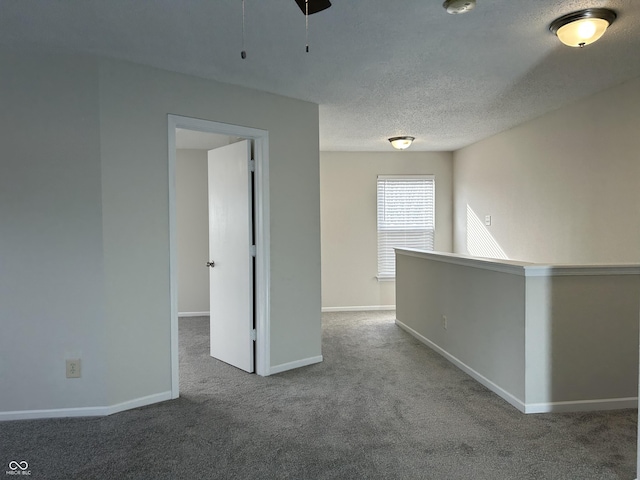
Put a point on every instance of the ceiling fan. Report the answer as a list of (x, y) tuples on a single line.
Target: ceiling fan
[(315, 6), (308, 7)]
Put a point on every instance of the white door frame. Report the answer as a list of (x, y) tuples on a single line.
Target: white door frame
[(262, 267)]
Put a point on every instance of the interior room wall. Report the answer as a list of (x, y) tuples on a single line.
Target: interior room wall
[(349, 221), (135, 101), (52, 304), (562, 188), (193, 235), (85, 236)]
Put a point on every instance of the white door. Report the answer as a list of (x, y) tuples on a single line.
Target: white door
[(230, 254)]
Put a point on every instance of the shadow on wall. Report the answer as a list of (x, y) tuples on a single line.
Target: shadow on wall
[(480, 243), (594, 341)]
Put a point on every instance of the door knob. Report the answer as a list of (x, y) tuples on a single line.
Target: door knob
[(211, 264)]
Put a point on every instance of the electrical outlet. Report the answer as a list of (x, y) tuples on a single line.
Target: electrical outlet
[(73, 368), (444, 322)]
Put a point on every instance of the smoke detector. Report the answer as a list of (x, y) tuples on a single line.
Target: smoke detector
[(459, 6)]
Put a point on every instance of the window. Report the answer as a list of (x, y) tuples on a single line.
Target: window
[(406, 217)]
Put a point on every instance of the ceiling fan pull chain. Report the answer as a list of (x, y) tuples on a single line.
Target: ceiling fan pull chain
[(243, 53), (306, 19)]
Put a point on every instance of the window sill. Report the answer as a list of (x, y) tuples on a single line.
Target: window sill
[(386, 279)]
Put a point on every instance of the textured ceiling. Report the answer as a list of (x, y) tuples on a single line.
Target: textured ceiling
[(377, 68)]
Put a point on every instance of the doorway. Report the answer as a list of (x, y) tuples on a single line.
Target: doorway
[(261, 193)]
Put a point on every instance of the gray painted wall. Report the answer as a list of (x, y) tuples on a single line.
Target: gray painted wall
[(52, 280), (582, 337), (85, 215), (562, 188), (485, 313), (552, 338), (192, 218), (349, 221)]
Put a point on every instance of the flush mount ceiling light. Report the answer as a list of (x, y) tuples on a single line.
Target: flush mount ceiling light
[(581, 28), (458, 6), (401, 143)]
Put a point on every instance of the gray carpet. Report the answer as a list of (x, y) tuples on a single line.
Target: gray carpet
[(381, 406)]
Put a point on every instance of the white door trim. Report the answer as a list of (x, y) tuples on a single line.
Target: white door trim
[(262, 268)]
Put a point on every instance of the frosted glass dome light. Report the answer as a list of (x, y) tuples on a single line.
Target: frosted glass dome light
[(582, 28), (401, 143)]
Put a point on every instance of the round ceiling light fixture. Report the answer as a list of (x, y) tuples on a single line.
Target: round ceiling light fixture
[(584, 27), (401, 143), (459, 6)]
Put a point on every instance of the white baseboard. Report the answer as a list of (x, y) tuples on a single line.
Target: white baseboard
[(368, 308), (550, 407), (513, 400), (297, 364), (53, 413), (582, 405), (85, 411), (139, 402), (193, 314)]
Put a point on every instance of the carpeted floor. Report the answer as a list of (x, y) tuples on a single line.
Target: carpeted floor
[(381, 406)]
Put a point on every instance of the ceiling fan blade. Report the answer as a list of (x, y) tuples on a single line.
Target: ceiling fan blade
[(315, 6)]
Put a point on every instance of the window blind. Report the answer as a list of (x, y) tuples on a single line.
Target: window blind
[(406, 217)]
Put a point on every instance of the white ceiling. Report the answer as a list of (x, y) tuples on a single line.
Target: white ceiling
[(377, 68)]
